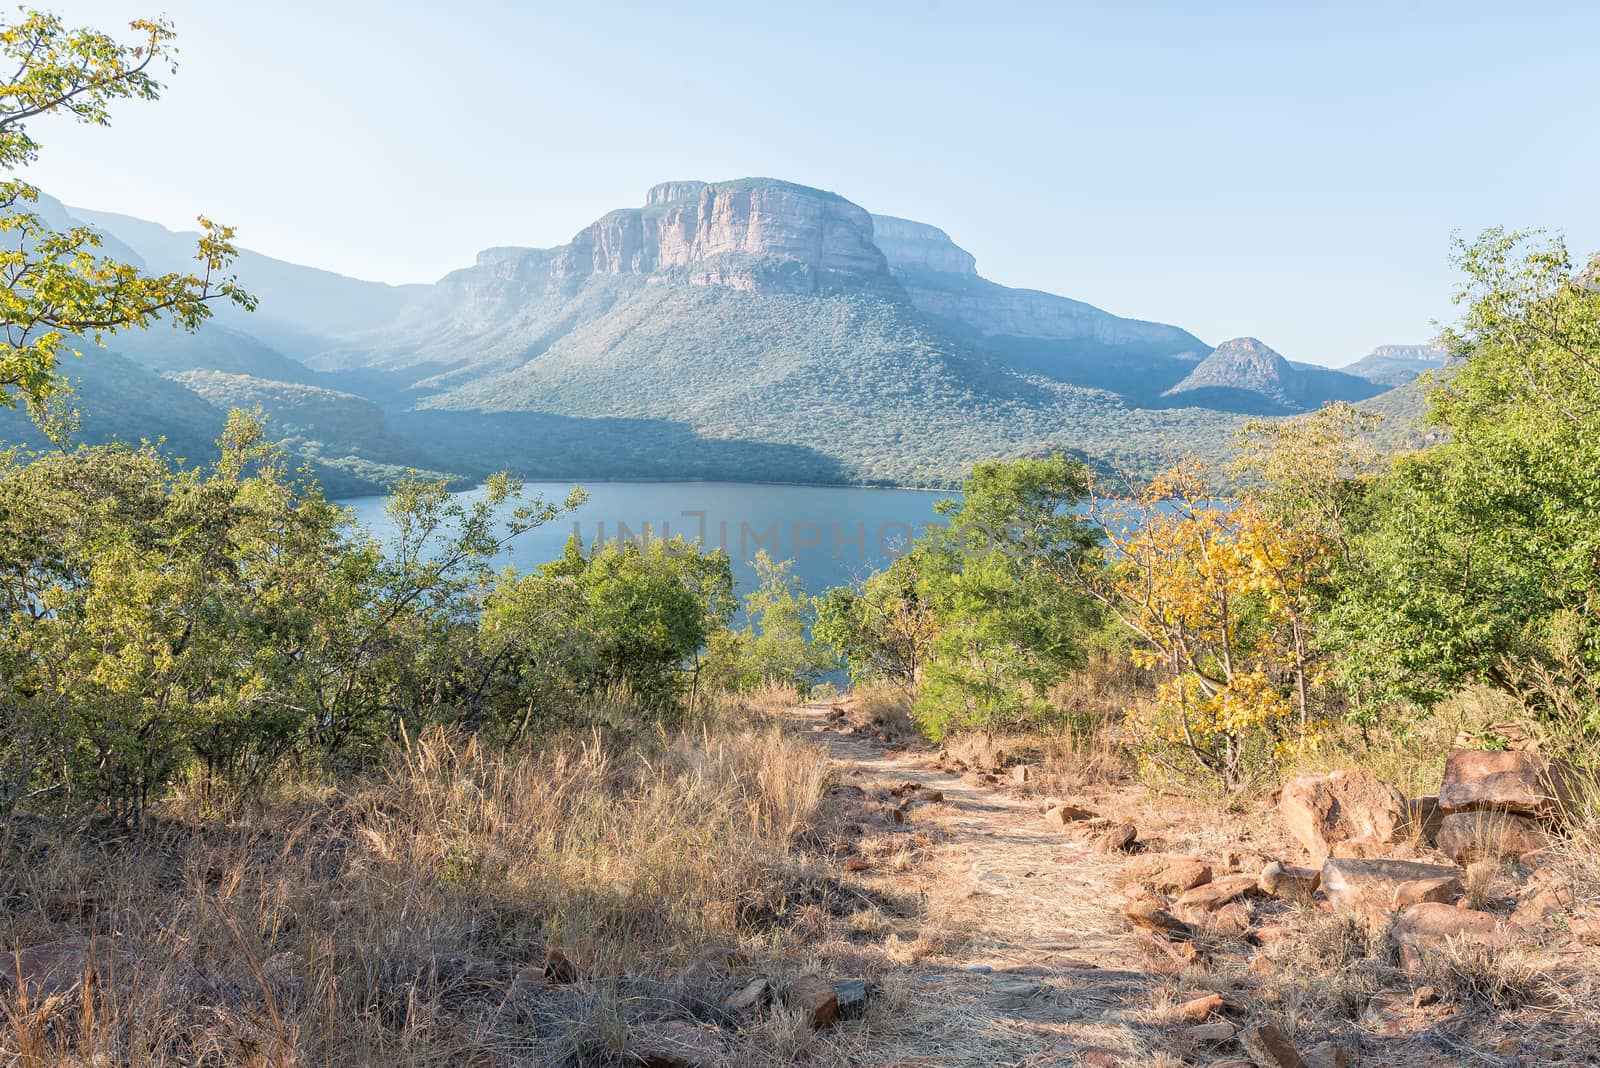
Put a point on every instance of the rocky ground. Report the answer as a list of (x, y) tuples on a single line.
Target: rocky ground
[(1064, 921)]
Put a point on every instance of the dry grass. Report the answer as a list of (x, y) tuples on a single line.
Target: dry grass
[(403, 919), (1501, 977), (1334, 965), (883, 711)]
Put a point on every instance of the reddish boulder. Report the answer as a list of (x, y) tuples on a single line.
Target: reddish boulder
[(1428, 927), (1269, 1047), (1345, 812), (1484, 834), (1525, 783), (1285, 880), (815, 999)]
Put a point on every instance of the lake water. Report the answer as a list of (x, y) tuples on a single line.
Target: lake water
[(833, 534)]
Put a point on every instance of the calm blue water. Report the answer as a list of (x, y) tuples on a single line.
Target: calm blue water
[(832, 534)]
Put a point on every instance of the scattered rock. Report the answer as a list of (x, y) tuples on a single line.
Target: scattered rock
[(1425, 996), (1427, 927), (1417, 891), (1487, 835), (1269, 1047), (1525, 783), (815, 999), (1219, 892), (1200, 1009), (1345, 807), (857, 864), (45, 970), (1327, 1055), (1213, 1034), (1148, 913), (1022, 774), (1287, 881), (852, 995), (1370, 885), (674, 1044), (1066, 815), (748, 998), (558, 968), (1118, 838)]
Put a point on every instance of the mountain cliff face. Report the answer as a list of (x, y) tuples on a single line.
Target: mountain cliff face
[(1065, 339), (1395, 365), (758, 235)]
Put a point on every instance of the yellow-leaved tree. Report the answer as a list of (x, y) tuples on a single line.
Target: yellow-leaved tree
[(1219, 592)]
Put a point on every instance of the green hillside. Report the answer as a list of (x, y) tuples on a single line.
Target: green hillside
[(862, 380)]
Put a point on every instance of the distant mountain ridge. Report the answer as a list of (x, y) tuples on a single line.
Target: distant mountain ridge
[(753, 328), (1244, 375)]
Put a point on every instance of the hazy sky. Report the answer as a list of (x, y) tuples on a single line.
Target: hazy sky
[(1291, 171)]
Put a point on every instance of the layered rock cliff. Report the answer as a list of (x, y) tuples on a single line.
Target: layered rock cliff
[(756, 234), (942, 279)]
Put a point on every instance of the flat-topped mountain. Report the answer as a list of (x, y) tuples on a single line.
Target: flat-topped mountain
[(1395, 365), (754, 328)]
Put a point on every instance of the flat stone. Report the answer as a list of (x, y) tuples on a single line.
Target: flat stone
[(1217, 893), (1511, 781), (1213, 1034), (852, 995), (1370, 885), (1487, 835)]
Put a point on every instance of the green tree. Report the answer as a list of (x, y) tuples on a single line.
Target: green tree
[(983, 615), (772, 647), (55, 287), (1479, 560), (625, 616)]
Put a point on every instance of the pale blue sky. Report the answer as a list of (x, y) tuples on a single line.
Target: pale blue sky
[(1291, 171)]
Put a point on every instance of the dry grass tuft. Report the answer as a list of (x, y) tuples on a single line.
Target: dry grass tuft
[(404, 918), (1502, 977), (1335, 965)]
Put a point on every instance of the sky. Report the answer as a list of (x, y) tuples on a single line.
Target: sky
[(1289, 171)]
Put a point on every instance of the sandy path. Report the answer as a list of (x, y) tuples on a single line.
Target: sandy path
[(1044, 969)]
